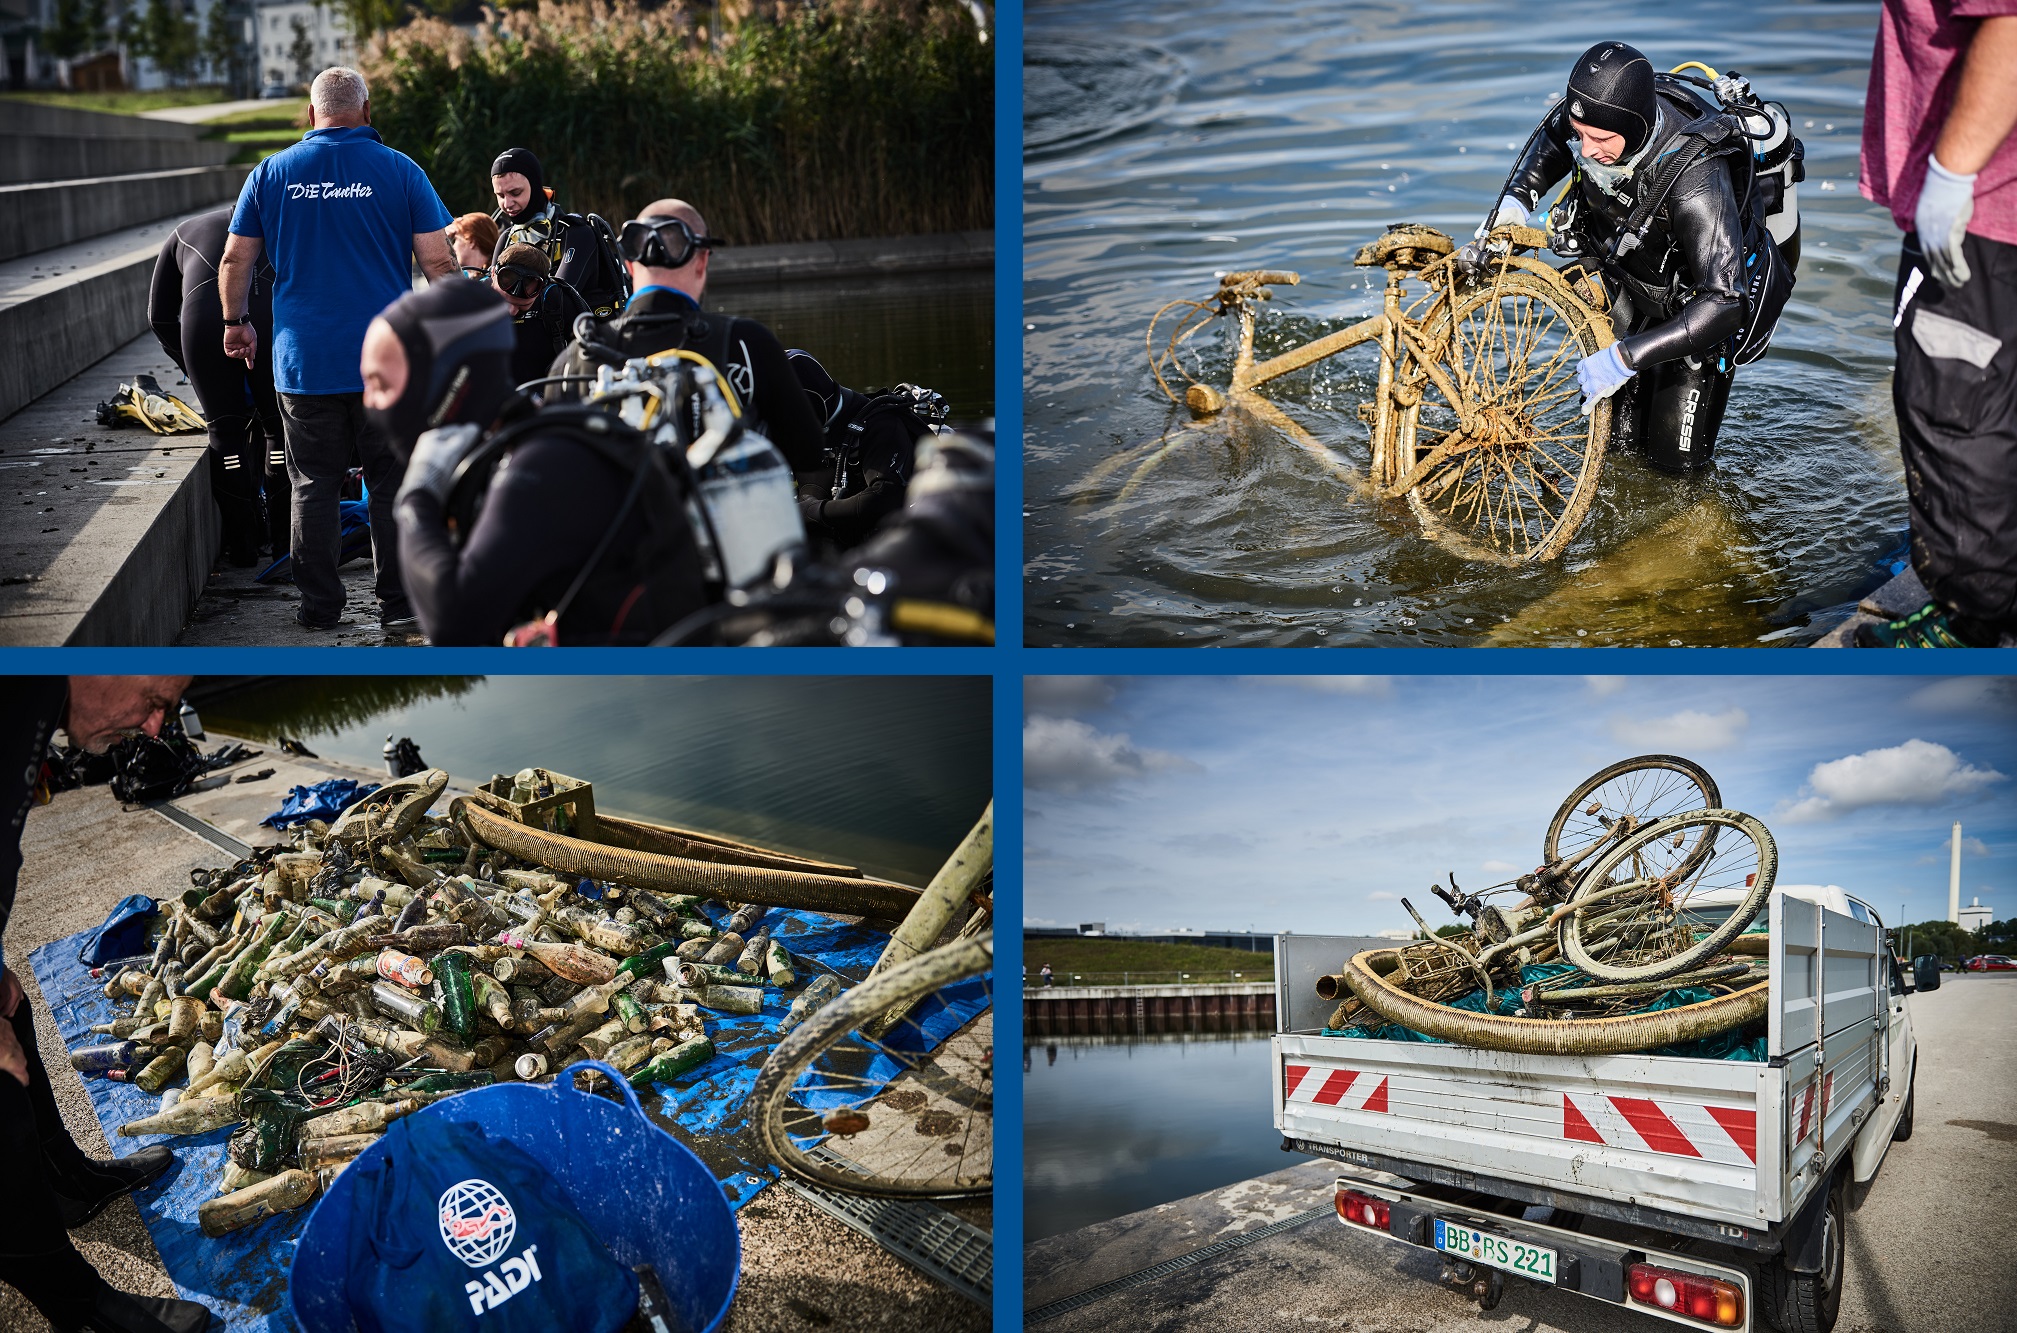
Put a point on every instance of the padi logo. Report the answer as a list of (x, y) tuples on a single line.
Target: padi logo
[(328, 190), (503, 1282), (477, 1222)]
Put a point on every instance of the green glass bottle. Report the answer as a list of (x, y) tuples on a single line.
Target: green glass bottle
[(458, 992), (686, 1056)]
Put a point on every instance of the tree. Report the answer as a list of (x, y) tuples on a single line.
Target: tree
[(365, 18), (76, 27), (301, 51), (165, 35), (221, 45)]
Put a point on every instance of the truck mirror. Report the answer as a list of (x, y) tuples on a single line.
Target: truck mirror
[(1926, 972)]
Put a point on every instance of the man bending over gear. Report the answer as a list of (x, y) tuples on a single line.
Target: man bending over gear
[(47, 1183), (564, 523), (667, 249), (1680, 291), (542, 310)]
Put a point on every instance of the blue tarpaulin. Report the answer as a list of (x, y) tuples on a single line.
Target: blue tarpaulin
[(243, 1276), (353, 521), (324, 801)]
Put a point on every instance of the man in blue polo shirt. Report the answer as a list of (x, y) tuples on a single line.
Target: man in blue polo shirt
[(342, 217)]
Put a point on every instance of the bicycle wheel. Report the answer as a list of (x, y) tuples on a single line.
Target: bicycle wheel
[(1517, 488), (910, 1113), (1670, 896), (1650, 787)]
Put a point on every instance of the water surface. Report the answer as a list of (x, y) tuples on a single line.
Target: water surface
[(887, 773), (1112, 1125), (1165, 144), (933, 329)]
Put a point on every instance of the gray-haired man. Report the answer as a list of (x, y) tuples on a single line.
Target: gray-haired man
[(341, 216)]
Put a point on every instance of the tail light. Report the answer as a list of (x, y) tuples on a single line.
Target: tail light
[(1361, 1210), (1691, 1295)]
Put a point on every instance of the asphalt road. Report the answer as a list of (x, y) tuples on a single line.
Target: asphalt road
[(1922, 1254)]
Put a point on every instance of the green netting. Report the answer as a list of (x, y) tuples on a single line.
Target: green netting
[(1729, 1045)]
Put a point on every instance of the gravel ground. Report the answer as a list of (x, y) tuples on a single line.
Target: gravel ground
[(800, 1268)]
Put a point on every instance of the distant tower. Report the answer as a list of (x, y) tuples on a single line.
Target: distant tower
[(1954, 878)]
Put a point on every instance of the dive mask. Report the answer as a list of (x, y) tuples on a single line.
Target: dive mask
[(657, 242), (519, 282)]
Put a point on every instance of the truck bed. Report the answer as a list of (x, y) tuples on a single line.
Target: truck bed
[(1737, 1145)]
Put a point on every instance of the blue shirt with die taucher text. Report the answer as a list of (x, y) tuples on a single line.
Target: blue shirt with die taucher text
[(337, 213)]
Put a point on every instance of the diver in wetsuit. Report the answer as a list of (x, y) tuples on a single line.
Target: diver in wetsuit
[(543, 309), (667, 249), (246, 449), (562, 526), (871, 440), (1697, 280)]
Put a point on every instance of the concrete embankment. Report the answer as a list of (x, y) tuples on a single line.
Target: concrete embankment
[(1899, 597)]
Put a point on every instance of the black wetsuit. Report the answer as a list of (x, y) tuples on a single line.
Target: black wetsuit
[(570, 246), (246, 446), (1680, 293), (544, 330), (547, 506), (870, 445), (747, 353)]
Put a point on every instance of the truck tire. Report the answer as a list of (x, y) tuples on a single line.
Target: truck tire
[(1903, 1129), (1809, 1302)]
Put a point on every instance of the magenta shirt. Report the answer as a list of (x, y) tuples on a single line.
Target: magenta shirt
[(1913, 76)]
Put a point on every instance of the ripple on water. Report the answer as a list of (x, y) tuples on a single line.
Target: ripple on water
[(1171, 144)]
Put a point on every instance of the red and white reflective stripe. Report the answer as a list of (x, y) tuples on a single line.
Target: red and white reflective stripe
[(1808, 1121), (1346, 1088), (1681, 1129)]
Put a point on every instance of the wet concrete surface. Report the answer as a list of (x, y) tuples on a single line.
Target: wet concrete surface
[(1912, 1267), (236, 612), (84, 851)]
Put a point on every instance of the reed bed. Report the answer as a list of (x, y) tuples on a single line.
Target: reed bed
[(857, 118)]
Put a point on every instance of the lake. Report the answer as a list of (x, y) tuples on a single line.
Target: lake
[(1112, 1125), (887, 773), (1166, 144)]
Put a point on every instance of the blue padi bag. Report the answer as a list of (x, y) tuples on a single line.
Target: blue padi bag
[(124, 933), (453, 1230)]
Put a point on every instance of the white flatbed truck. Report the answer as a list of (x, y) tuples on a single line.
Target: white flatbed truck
[(1712, 1193)]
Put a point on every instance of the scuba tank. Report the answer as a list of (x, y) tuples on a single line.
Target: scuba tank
[(745, 502), (1778, 159)]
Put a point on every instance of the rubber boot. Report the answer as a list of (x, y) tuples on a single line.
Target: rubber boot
[(72, 1296)]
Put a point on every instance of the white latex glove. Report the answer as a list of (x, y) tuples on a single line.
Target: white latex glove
[(1946, 202), (435, 455), (1601, 375), (1511, 213)]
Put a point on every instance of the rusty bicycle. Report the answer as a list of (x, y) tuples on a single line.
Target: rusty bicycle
[(1475, 419)]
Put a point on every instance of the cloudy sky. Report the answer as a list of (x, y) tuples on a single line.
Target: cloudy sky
[(1313, 803)]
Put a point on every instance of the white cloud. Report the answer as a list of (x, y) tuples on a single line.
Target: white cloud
[(1066, 696), (1382, 896), (1682, 732), (1915, 773), (1603, 687), (1499, 868), (1066, 755), (1374, 687), (1972, 695)]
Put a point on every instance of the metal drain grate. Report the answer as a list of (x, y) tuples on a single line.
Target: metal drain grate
[(216, 837), (1168, 1266), (922, 1234)]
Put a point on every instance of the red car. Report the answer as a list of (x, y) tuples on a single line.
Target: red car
[(1992, 962)]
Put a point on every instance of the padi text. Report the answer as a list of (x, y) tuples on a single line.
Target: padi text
[(493, 1291)]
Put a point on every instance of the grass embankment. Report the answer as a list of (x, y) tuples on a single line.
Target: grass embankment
[(795, 123), (262, 131), (1096, 961), (125, 103)]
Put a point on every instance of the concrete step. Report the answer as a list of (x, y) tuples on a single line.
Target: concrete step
[(63, 309), (51, 157), (43, 215), (106, 536), (36, 118)]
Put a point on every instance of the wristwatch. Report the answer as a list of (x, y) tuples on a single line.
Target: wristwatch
[(239, 322)]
